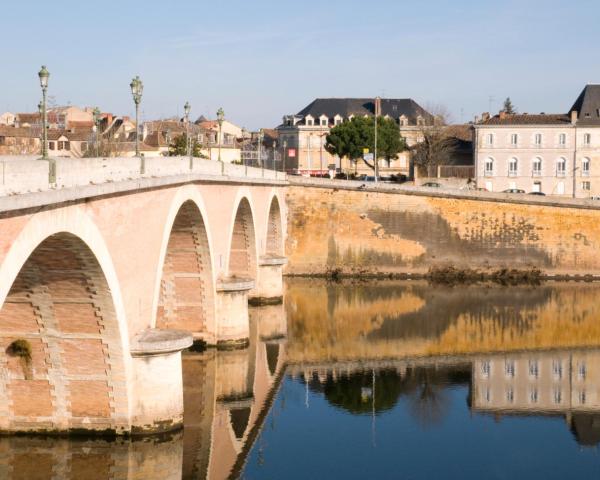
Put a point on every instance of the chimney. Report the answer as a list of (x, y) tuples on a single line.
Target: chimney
[(377, 106), (573, 117)]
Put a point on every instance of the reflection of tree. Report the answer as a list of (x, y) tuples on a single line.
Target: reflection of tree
[(425, 388)]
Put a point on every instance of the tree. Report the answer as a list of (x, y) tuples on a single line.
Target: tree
[(509, 107), (434, 146), (349, 139), (178, 147)]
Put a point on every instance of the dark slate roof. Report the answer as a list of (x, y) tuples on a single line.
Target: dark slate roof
[(394, 107), (527, 119), (587, 106)]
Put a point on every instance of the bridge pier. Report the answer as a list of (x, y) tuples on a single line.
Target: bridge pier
[(158, 384), (232, 319), (269, 289)]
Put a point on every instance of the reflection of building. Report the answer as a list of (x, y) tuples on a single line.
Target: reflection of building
[(304, 133), (545, 381)]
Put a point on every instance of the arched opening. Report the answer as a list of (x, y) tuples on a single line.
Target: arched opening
[(60, 343), (274, 230), (186, 298), (242, 255)]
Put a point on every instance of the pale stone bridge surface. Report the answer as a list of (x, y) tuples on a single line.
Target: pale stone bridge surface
[(106, 264)]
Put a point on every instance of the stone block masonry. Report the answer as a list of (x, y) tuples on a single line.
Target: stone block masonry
[(390, 231)]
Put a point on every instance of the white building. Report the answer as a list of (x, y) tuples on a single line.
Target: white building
[(556, 154)]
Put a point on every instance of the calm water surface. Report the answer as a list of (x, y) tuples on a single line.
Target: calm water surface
[(375, 380)]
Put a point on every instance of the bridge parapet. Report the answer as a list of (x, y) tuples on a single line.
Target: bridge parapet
[(27, 174)]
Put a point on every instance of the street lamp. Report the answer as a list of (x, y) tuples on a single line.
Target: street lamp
[(44, 74), (261, 136), (137, 88), (186, 109), (96, 113), (284, 155), (243, 154), (220, 118)]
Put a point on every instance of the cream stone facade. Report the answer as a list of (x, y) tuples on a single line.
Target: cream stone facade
[(303, 136), (555, 154)]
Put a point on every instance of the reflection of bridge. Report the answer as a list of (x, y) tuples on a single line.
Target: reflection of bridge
[(103, 269)]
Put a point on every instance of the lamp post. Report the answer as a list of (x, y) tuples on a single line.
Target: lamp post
[(44, 74), (242, 153), (96, 113), (284, 155), (137, 88), (188, 143), (261, 136), (220, 118)]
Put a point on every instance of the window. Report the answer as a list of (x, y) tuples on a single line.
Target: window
[(582, 397), (323, 121), (537, 166), (490, 138), (533, 395), (586, 186), (337, 120), (561, 167), (514, 139), (489, 167), (420, 120), (310, 122), (52, 145), (557, 396), (512, 167), (533, 368), (585, 167), (538, 139), (587, 139), (403, 121), (485, 369), (509, 368), (581, 371), (510, 396), (562, 139), (557, 369)]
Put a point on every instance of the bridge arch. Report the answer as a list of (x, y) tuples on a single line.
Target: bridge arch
[(243, 255), (186, 296), (275, 231), (63, 334)]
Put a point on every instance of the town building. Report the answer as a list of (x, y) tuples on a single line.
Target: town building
[(557, 154), (303, 136)]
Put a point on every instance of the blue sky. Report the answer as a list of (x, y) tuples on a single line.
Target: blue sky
[(261, 59)]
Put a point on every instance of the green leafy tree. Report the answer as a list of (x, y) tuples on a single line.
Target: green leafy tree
[(178, 147), (349, 139), (509, 107)]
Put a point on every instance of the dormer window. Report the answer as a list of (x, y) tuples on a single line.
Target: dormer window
[(337, 120), (403, 121), (351, 117), (323, 121), (310, 121), (420, 121)]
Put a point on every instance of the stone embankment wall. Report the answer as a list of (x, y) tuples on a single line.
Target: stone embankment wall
[(389, 230)]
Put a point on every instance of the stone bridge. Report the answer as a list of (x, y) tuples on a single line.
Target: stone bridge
[(105, 270)]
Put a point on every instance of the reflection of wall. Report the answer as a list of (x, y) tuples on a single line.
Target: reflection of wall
[(358, 231), (403, 319)]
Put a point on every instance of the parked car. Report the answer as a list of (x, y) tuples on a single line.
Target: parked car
[(432, 185), (513, 190), (541, 194), (595, 198)]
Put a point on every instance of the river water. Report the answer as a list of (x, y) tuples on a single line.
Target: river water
[(393, 379)]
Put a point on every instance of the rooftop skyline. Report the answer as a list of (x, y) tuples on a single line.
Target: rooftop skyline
[(262, 60)]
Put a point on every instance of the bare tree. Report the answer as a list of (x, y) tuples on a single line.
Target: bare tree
[(434, 146)]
